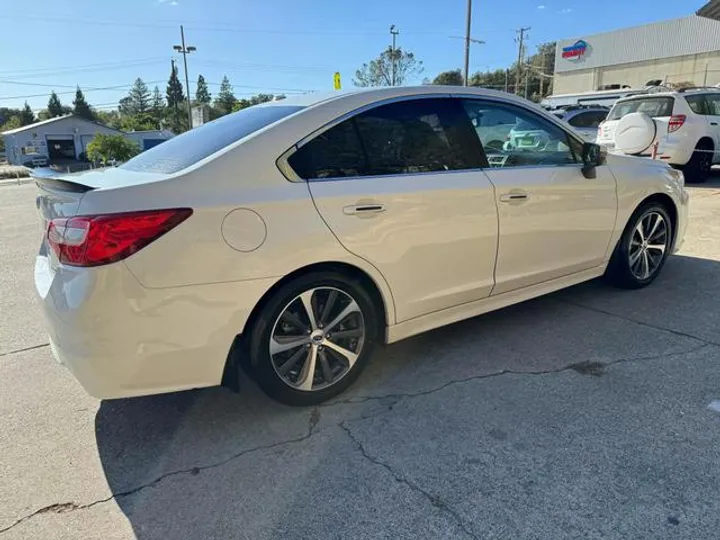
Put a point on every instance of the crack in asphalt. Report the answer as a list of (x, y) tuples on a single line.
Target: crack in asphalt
[(61, 508), (434, 500), (635, 321), (24, 350), (587, 368)]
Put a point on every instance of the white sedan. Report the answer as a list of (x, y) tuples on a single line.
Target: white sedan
[(296, 235)]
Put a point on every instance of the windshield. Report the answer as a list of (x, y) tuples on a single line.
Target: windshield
[(187, 149), (654, 107)]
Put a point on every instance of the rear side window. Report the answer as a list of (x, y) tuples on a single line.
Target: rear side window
[(713, 104), (192, 146), (698, 104), (407, 137), (590, 119), (654, 107)]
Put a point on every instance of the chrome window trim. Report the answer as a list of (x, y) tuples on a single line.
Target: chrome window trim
[(289, 173)]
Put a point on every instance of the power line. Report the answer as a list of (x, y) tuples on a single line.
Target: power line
[(98, 89), (116, 63)]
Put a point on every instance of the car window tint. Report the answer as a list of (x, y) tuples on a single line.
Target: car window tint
[(407, 137), (413, 137), (589, 119), (336, 153), (531, 141), (192, 146), (713, 104), (698, 104), (654, 107)]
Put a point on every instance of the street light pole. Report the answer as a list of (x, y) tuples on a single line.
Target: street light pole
[(394, 33), (185, 51), (467, 41)]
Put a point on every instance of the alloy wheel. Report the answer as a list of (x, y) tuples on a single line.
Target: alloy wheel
[(317, 338), (648, 244)]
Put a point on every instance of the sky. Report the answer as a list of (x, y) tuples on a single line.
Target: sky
[(274, 46)]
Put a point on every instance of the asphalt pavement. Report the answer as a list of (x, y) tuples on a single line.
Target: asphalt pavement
[(590, 413)]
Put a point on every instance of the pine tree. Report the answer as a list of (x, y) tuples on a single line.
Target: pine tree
[(225, 100), (202, 95), (27, 117), (54, 107), (139, 95), (81, 107), (174, 93), (157, 107)]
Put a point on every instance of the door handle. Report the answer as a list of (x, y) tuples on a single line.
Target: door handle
[(513, 197), (364, 209), (713, 123)]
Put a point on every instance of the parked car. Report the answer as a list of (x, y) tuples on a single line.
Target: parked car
[(681, 128), (584, 118), (296, 235)]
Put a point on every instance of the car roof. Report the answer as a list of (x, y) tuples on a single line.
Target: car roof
[(377, 94)]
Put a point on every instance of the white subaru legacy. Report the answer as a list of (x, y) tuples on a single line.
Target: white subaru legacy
[(293, 237)]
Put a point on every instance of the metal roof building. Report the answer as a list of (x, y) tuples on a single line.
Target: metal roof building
[(674, 51)]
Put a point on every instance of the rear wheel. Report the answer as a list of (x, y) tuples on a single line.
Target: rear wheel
[(698, 168), (313, 338), (643, 248)]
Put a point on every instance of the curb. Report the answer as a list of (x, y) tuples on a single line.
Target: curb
[(16, 181)]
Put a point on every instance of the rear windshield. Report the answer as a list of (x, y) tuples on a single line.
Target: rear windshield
[(652, 106), (192, 146)]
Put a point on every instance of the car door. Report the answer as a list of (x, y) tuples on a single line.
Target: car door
[(400, 187), (708, 105), (553, 221)]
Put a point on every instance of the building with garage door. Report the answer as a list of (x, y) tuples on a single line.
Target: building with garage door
[(685, 50), (64, 139)]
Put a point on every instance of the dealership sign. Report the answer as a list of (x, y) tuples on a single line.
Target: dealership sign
[(575, 51)]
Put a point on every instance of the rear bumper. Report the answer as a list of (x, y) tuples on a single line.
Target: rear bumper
[(122, 340)]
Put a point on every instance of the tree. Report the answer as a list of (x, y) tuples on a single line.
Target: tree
[(202, 95), (138, 99), (255, 100), (81, 107), (27, 117), (106, 148), (225, 100), (12, 122), (54, 108), (174, 93), (379, 72), (109, 118), (450, 78), (157, 107)]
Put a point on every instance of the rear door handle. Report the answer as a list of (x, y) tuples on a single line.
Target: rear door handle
[(713, 123), (514, 197), (364, 209)]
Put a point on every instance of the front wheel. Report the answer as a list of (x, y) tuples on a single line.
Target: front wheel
[(313, 338), (643, 248)]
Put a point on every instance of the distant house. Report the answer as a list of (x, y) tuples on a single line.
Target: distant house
[(65, 138)]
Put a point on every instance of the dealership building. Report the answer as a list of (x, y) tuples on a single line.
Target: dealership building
[(65, 138), (685, 50)]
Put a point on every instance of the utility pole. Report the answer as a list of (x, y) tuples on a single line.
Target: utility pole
[(185, 51), (542, 74), (467, 42), (527, 80), (394, 32), (521, 55), (507, 77)]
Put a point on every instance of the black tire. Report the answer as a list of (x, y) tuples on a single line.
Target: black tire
[(620, 271), (697, 170), (265, 371)]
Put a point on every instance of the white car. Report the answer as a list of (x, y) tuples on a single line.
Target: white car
[(296, 235), (681, 128)]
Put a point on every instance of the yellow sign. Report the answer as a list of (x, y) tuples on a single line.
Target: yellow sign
[(336, 80)]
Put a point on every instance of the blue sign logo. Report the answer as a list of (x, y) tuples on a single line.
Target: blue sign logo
[(575, 51)]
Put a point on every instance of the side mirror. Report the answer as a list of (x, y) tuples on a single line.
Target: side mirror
[(592, 157)]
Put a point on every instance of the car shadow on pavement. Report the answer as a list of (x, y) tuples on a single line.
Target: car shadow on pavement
[(195, 464)]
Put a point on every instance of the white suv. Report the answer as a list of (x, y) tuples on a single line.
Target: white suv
[(681, 128)]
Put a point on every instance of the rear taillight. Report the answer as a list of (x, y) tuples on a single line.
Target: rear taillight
[(676, 122), (103, 239)]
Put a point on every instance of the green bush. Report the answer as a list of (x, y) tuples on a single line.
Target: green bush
[(106, 148)]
